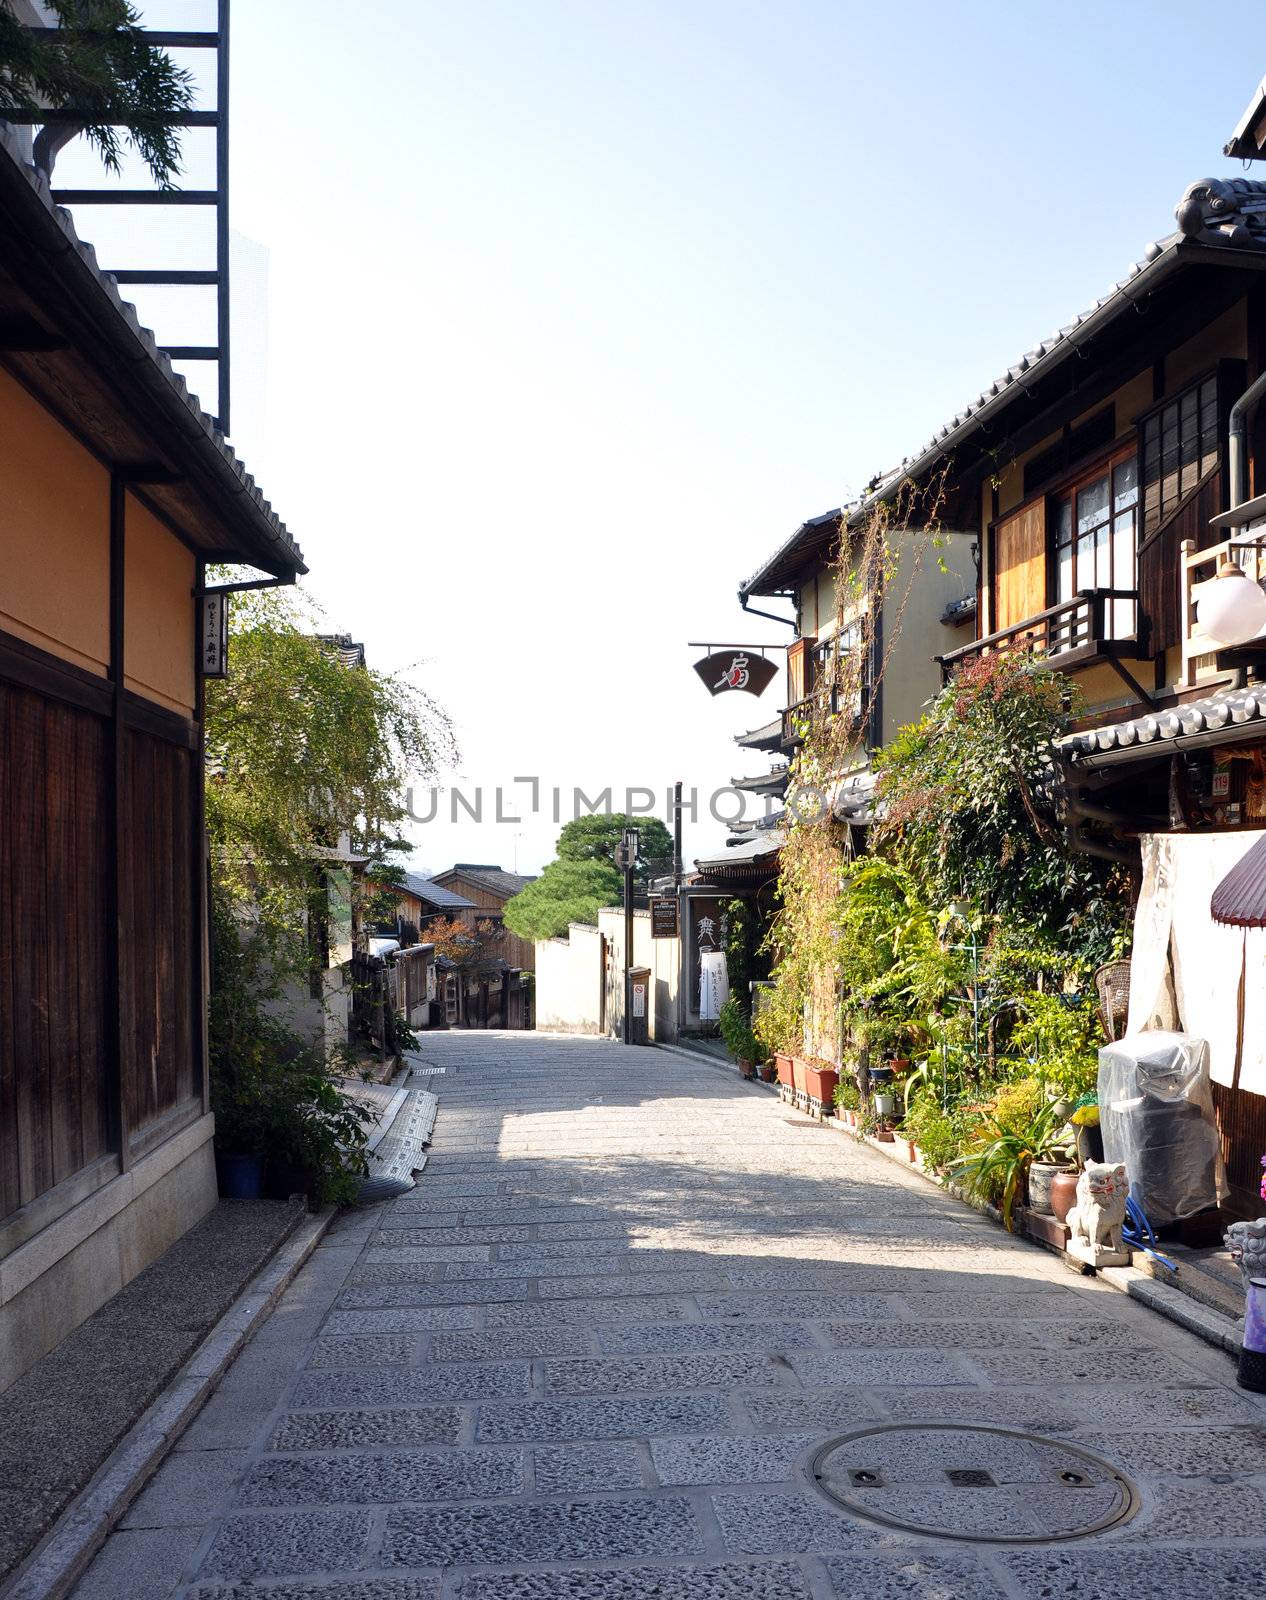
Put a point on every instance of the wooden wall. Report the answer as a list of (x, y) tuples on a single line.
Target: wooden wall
[(54, 968)]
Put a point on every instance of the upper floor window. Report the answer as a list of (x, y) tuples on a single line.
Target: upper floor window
[(1096, 536), (1179, 444)]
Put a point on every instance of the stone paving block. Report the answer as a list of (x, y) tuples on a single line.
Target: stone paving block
[(1184, 1453), (1108, 1333), (298, 1542), (382, 1254), (630, 1418), (583, 1230), (507, 1343), (1110, 1573), (1035, 1411), (832, 1410), (429, 1237), (783, 1524), (776, 1581), (919, 1368), (581, 1468), (623, 1375), (1149, 1405), (672, 1338), (319, 1589), (490, 1271), (386, 1350), (187, 1490), (1073, 1366), (1039, 1300), (139, 1562), (687, 1282), (384, 1479), (371, 1296), (344, 1430), (412, 1320), (509, 1535), (649, 1308), (1183, 1511), (768, 1459), (807, 1306), (932, 1335), (566, 1249), (436, 1189), (528, 1214), (413, 1385), (939, 1575)]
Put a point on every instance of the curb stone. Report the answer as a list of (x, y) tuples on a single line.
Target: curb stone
[(62, 1557)]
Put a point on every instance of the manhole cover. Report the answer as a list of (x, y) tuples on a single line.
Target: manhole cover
[(952, 1481)]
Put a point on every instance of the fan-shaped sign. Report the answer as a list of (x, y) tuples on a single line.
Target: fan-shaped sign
[(727, 671)]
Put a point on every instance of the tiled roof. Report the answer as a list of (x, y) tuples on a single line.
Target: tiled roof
[(442, 899), (194, 422), (1229, 710), (1226, 215), (768, 737), (492, 878)]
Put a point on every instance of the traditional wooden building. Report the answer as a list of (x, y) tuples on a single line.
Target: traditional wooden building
[(488, 888), (1109, 475), (118, 490)]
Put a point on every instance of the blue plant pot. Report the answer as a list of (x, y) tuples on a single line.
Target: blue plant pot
[(240, 1177)]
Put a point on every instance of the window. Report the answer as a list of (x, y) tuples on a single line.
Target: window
[(1179, 444), (1096, 535)]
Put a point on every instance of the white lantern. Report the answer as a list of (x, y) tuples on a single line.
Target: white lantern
[(1232, 608)]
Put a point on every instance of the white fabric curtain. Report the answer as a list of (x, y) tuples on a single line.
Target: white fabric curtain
[(1185, 968)]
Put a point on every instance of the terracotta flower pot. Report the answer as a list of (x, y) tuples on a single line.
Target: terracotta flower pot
[(1042, 1175), (821, 1082), (799, 1075), (782, 1065), (1063, 1193)]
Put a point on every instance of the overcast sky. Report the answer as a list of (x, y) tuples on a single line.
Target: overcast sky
[(575, 309)]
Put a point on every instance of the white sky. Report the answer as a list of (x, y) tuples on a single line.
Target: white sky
[(576, 309)]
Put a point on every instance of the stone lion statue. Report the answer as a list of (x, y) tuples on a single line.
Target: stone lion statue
[(1247, 1243), (1097, 1217)]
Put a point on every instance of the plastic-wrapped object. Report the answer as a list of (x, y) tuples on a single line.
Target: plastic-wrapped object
[(1156, 1115)]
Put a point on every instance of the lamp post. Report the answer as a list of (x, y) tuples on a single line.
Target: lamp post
[(626, 857)]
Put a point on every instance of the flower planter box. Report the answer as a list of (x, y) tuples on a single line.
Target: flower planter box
[(820, 1083), (782, 1065)]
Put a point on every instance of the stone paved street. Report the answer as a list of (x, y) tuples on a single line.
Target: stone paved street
[(594, 1352)]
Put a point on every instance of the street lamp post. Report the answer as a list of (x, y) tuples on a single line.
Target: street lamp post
[(626, 857)]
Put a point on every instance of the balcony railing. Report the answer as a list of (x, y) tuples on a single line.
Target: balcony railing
[(797, 718), (1198, 568), (1094, 623)]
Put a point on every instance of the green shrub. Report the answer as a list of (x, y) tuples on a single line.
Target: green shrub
[(939, 1134), (736, 1030), (847, 1096)]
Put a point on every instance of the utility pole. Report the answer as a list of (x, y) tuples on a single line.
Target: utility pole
[(677, 835), (626, 857)]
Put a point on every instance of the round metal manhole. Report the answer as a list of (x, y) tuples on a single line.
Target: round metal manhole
[(949, 1480)]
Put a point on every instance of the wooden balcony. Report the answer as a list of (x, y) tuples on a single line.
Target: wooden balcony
[(797, 718), (1087, 628), (1203, 660)]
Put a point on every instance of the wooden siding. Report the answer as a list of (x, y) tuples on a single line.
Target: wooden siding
[(1159, 578), (54, 951), (1242, 1124), (1019, 566), (156, 912)]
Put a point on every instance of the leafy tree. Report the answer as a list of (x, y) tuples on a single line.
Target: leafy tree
[(299, 748), (594, 838), (98, 63), (566, 892), (967, 809), (456, 943)]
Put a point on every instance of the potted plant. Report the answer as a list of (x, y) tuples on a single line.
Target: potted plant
[(1021, 1127), (740, 1041), (847, 1099), (821, 1078)]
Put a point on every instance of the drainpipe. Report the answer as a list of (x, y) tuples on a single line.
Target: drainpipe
[(1237, 439)]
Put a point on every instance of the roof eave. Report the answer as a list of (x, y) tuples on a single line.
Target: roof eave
[(122, 355)]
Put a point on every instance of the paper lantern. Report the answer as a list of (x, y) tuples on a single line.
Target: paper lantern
[(1232, 608)]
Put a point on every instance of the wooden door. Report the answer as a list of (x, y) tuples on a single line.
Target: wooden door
[(1019, 566)]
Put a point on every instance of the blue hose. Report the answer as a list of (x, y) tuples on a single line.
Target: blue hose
[(1139, 1233)]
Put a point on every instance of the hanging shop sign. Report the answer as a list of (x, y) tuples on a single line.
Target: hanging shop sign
[(664, 923), (213, 641), (724, 671)]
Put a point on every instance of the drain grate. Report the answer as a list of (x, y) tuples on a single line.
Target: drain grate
[(1024, 1489)]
